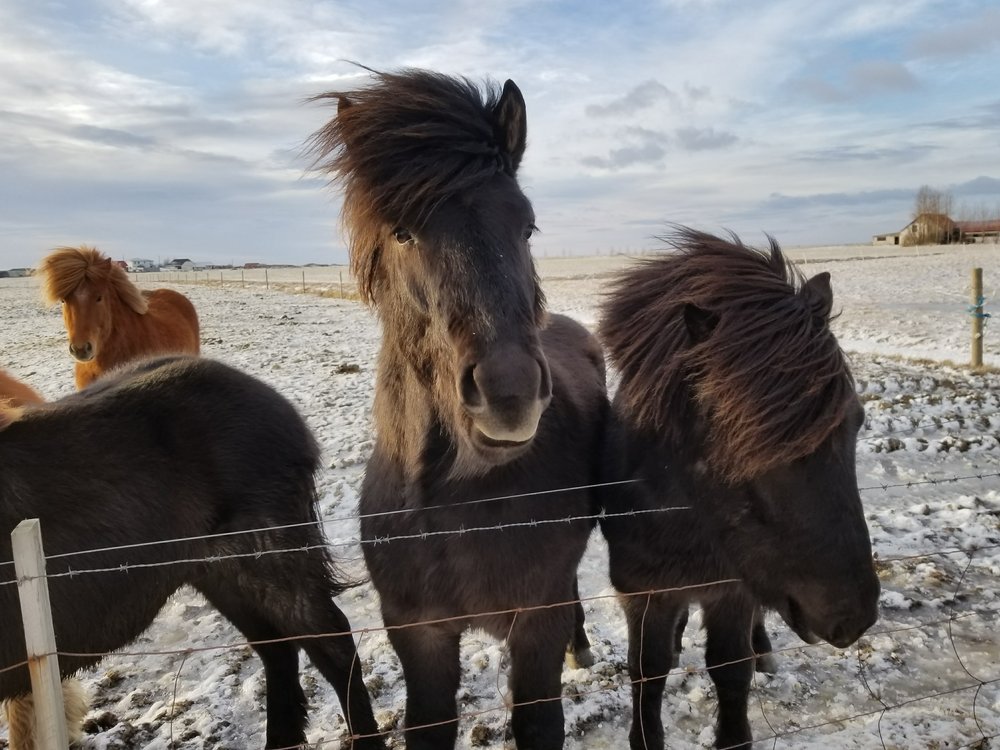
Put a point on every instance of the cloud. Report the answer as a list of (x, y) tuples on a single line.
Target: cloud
[(964, 39), (863, 80), (704, 139), (627, 156), (783, 202), (978, 186), (856, 152), (111, 137), (643, 96), (881, 76)]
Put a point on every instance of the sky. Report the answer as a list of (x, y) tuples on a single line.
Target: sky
[(177, 129)]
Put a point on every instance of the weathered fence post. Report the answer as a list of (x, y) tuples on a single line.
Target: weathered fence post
[(39, 635), (303, 281), (341, 284), (267, 284), (977, 317)]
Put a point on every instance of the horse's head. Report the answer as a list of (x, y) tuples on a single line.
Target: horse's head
[(86, 314), (440, 235), (91, 289), (758, 407)]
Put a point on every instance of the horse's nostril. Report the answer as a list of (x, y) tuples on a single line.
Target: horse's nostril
[(468, 389)]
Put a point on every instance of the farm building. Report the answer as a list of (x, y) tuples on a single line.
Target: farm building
[(939, 229), (141, 264), (926, 229), (178, 264), (979, 231)]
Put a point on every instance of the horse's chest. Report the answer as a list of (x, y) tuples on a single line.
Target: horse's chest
[(464, 548)]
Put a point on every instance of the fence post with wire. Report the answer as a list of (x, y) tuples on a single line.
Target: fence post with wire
[(39, 635)]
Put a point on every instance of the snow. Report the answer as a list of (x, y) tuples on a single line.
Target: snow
[(905, 322)]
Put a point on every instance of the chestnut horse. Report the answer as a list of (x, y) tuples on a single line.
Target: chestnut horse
[(13, 392), (737, 413), (189, 450), (488, 413), (109, 320)]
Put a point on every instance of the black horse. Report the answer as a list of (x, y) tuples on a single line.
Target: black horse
[(737, 412), (480, 395), (179, 448)]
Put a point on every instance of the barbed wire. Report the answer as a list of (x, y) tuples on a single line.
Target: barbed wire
[(422, 535), (185, 653)]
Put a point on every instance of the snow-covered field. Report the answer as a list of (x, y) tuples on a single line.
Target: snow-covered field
[(933, 658)]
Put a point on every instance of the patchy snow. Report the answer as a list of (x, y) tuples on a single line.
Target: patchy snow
[(927, 423)]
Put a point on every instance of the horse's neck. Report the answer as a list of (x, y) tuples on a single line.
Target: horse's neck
[(126, 337), (404, 393)]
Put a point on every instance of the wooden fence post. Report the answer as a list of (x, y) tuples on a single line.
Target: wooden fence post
[(39, 635), (267, 284), (341, 284), (977, 317)]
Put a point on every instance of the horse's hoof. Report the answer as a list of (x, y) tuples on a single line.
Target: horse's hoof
[(766, 663), (582, 659)]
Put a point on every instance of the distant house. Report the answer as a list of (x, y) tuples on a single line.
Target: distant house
[(138, 265), (178, 264), (979, 231), (17, 273), (926, 229)]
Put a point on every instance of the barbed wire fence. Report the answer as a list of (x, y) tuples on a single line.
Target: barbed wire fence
[(964, 560), (974, 683)]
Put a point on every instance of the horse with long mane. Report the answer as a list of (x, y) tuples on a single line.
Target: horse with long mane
[(192, 451), (488, 412), (737, 413), (109, 320)]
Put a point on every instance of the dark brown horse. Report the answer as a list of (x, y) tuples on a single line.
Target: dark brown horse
[(19, 712), (109, 320), (480, 395), (188, 449), (737, 412)]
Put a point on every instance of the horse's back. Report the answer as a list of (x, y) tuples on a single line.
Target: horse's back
[(177, 328), (576, 357)]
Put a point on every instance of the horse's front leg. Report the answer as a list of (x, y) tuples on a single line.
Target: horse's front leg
[(766, 661), (578, 653), (537, 644), (430, 658), (730, 661), (653, 621)]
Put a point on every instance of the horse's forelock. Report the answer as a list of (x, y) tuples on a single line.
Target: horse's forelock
[(65, 268), (772, 377), (400, 147)]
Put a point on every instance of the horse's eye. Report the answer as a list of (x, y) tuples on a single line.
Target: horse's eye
[(529, 231), (99, 298), (402, 236)]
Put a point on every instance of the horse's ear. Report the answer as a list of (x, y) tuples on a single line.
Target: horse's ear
[(818, 294), (343, 103), (512, 123), (700, 323)]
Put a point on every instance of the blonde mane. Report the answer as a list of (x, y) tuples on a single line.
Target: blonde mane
[(65, 268)]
